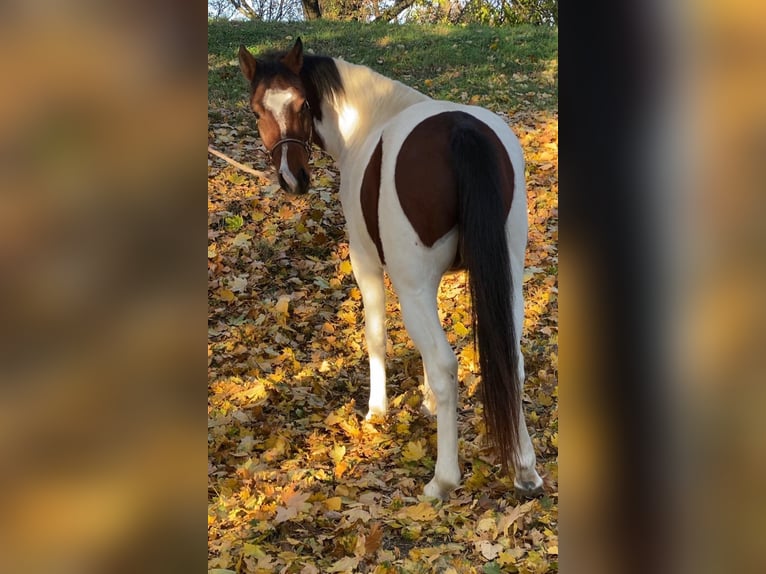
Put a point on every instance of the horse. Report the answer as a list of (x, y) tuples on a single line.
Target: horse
[(426, 187)]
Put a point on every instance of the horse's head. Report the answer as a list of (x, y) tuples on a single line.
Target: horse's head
[(278, 100)]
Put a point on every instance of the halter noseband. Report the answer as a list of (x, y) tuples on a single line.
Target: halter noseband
[(306, 145)]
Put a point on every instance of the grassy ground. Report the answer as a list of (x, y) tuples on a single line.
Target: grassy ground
[(298, 482), (506, 66)]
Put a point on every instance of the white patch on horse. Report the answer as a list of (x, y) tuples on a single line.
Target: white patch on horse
[(347, 121), (284, 170), (276, 101)]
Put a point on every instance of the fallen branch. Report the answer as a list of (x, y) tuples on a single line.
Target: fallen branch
[(236, 164)]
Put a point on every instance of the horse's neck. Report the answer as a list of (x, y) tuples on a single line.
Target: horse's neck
[(369, 101)]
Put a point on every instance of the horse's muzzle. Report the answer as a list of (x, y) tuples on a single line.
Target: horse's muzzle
[(302, 181)]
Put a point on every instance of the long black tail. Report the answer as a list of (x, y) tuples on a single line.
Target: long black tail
[(484, 250)]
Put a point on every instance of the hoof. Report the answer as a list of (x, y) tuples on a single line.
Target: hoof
[(528, 489), (375, 415), (435, 489)]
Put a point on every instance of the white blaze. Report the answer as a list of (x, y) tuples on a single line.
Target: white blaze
[(284, 169), (276, 101)]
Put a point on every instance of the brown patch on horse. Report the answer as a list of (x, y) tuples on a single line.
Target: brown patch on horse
[(425, 179), (370, 196)]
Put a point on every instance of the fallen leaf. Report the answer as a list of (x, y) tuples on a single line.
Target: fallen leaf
[(421, 512), (414, 451), (488, 550), (282, 306), (374, 539), (460, 329), (242, 239), (505, 521), (238, 284), (345, 564), (295, 502), (345, 267), (337, 453)]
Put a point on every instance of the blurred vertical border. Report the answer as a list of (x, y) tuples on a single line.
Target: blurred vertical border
[(102, 286), (663, 298)]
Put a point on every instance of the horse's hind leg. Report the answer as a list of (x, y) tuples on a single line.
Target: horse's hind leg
[(421, 318), (369, 277), (526, 480)]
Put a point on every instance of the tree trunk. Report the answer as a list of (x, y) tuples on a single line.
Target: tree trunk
[(311, 9)]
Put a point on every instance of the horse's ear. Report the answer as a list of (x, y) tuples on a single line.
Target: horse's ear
[(294, 59), (246, 63)]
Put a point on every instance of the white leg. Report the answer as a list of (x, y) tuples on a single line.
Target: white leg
[(422, 321), (369, 277), (526, 480)]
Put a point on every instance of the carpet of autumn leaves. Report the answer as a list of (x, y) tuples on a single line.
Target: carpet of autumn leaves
[(298, 481)]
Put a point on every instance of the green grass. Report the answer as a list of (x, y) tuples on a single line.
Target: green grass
[(505, 68)]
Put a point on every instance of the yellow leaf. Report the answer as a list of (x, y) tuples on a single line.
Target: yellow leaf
[(486, 524), (345, 564), (422, 512), (414, 451), (333, 503), (283, 303), (340, 468), (345, 267), (332, 419), (506, 558), (253, 550), (348, 316), (337, 453), (225, 295), (212, 251), (460, 329)]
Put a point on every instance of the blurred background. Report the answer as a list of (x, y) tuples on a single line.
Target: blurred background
[(102, 286), (663, 125)]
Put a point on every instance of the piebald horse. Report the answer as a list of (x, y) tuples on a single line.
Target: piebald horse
[(426, 187)]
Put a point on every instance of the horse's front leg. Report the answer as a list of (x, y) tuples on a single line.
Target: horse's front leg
[(369, 277)]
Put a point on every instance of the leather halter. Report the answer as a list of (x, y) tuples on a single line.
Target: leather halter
[(306, 144)]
